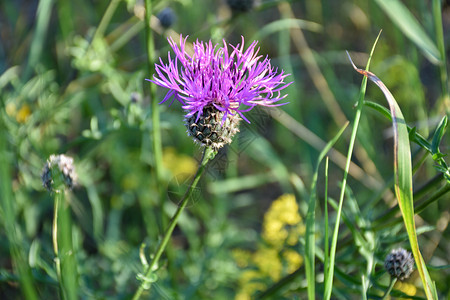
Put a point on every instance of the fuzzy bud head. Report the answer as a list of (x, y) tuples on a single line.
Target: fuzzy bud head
[(399, 263), (210, 129), (59, 170)]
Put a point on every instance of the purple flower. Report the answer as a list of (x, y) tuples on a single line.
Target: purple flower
[(232, 82)]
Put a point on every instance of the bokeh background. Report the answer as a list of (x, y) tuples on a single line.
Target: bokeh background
[(72, 81)]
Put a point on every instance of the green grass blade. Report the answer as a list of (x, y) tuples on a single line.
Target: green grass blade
[(310, 219), (326, 247), (66, 252), (328, 281), (7, 213), (285, 24), (44, 13), (403, 180), (437, 17), (407, 23)]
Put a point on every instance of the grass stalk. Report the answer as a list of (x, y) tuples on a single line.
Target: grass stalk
[(326, 233), (310, 243), (391, 286), (156, 131), (439, 32), (66, 251), (146, 282), (330, 267), (44, 12), (7, 202)]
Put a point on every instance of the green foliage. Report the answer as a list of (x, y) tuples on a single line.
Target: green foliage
[(72, 81)]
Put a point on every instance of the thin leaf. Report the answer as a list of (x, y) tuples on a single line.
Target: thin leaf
[(408, 24), (310, 219), (438, 135), (403, 179), (328, 281)]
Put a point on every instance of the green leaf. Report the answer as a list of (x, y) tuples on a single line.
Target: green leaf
[(403, 179), (310, 219), (438, 135), (408, 24)]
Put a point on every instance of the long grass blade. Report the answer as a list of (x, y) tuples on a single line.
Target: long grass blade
[(330, 268), (408, 24), (403, 179), (311, 217)]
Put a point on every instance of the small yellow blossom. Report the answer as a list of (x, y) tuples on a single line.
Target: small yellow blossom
[(406, 288), (268, 262), (250, 283), (282, 212), (23, 114), (20, 115), (179, 164), (294, 260), (282, 227)]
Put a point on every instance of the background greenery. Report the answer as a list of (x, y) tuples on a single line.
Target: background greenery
[(72, 81)]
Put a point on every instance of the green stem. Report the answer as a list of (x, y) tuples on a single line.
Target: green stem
[(391, 286), (44, 12), (55, 245), (100, 31), (208, 154), (156, 131), (12, 229), (437, 17), (65, 259), (326, 246), (330, 271)]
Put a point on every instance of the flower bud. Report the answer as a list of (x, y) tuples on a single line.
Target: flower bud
[(166, 17), (58, 170), (209, 129), (399, 263)]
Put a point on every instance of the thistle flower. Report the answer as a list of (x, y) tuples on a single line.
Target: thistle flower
[(58, 169), (215, 87), (399, 263)]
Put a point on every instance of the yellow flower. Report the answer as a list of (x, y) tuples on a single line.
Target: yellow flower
[(268, 262), (282, 212), (250, 283), (294, 260), (295, 233), (406, 288), (179, 164), (23, 114)]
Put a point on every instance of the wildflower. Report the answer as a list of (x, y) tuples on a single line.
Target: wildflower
[(216, 87), (166, 17), (58, 169), (399, 263), (282, 212)]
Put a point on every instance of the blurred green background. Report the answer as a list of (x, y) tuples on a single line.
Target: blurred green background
[(72, 81)]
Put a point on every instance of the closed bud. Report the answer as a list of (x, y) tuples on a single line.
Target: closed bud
[(399, 263), (58, 170), (209, 129)]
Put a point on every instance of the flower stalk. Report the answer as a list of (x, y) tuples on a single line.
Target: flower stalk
[(58, 177), (146, 278)]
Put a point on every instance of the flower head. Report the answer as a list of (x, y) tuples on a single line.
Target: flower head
[(58, 169), (215, 83), (232, 82), (399, 263)]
